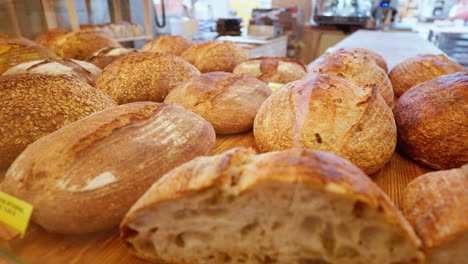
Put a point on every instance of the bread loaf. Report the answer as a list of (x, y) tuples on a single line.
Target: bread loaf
[(215, 55), (106, 56), (34, 105), (272, 70), (358, 69), (290, 207), (83, 71), (432, 121), (17, 51), (47, 38), (85, 176), (144, 76), (228, 101), (436, 204), (171, 44), (328, 113), (81, 45), (419, 69), (377, 58)]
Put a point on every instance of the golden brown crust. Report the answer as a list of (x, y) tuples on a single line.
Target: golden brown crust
[(419, 69), (272, 69), (47, 38), (215, 55), (377, 58), (16, 51), (85, 176), (34, 105), (436, 205), (328, 113), (239, 170), (432, 121), (170, 44), (145, 76), (81, 45), (228, 101), (106, 56), (358, 69)]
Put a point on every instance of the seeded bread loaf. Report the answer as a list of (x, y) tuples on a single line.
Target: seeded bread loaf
[(272, 70), (85, 176), (228, 101), (328, 113), (82, 70), (436, 204), (34, 105), (106, 56), (295, 206), (168, 43)]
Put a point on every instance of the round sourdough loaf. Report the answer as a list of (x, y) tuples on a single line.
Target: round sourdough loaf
[(294, 206), (47, 38), (85, 176), (34, 105), (81, 45), (106, 56), (432, 121), (358, 69), (144, 76), (419, 69), (272, 69), (328, 113), (17, 51), (170, 44), (83, 71), (377, 58), (215, 55), (436, 204), (228, 101)]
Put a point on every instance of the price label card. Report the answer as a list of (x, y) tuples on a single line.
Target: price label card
[(15, 212)]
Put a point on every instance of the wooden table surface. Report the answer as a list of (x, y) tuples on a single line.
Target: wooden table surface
[(105, 247)]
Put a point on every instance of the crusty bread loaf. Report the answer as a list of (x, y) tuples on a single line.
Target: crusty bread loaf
[(228, 101), (360, 70), (85, 176), (377, 58), (83, 71), (419, 69), (436, 204), (272, 69), (215, 55), (17, 51), (432, 121), (106, 56), (167, 43), (34, 105), (295, 206), (47, 38), (328, 113), (144, 76), (81, 45)]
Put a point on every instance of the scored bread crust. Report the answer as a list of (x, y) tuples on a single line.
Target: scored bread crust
[(106, 56), (215, 55), (377, 58), (228, 101), (144, 76), (17, 51), (272, 69), (436, 205), (82, 70), (168, 43), (419, 69), (358, 69), (81, 45), (238, 173), (84, 177), (328, 113), (432, 121), (34, 105)]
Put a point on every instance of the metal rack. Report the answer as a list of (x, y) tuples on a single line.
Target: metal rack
[(453, 41)]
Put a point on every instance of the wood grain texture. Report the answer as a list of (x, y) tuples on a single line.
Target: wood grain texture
[(106, 247)]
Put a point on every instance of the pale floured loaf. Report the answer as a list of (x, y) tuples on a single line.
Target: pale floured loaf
[(436, 204), (296, 206), (272, 69), (328, 113), (106, 56), (168, 43), (85, 176)]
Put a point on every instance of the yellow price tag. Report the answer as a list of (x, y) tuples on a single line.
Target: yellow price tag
[(14, 212), (275, 86)]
